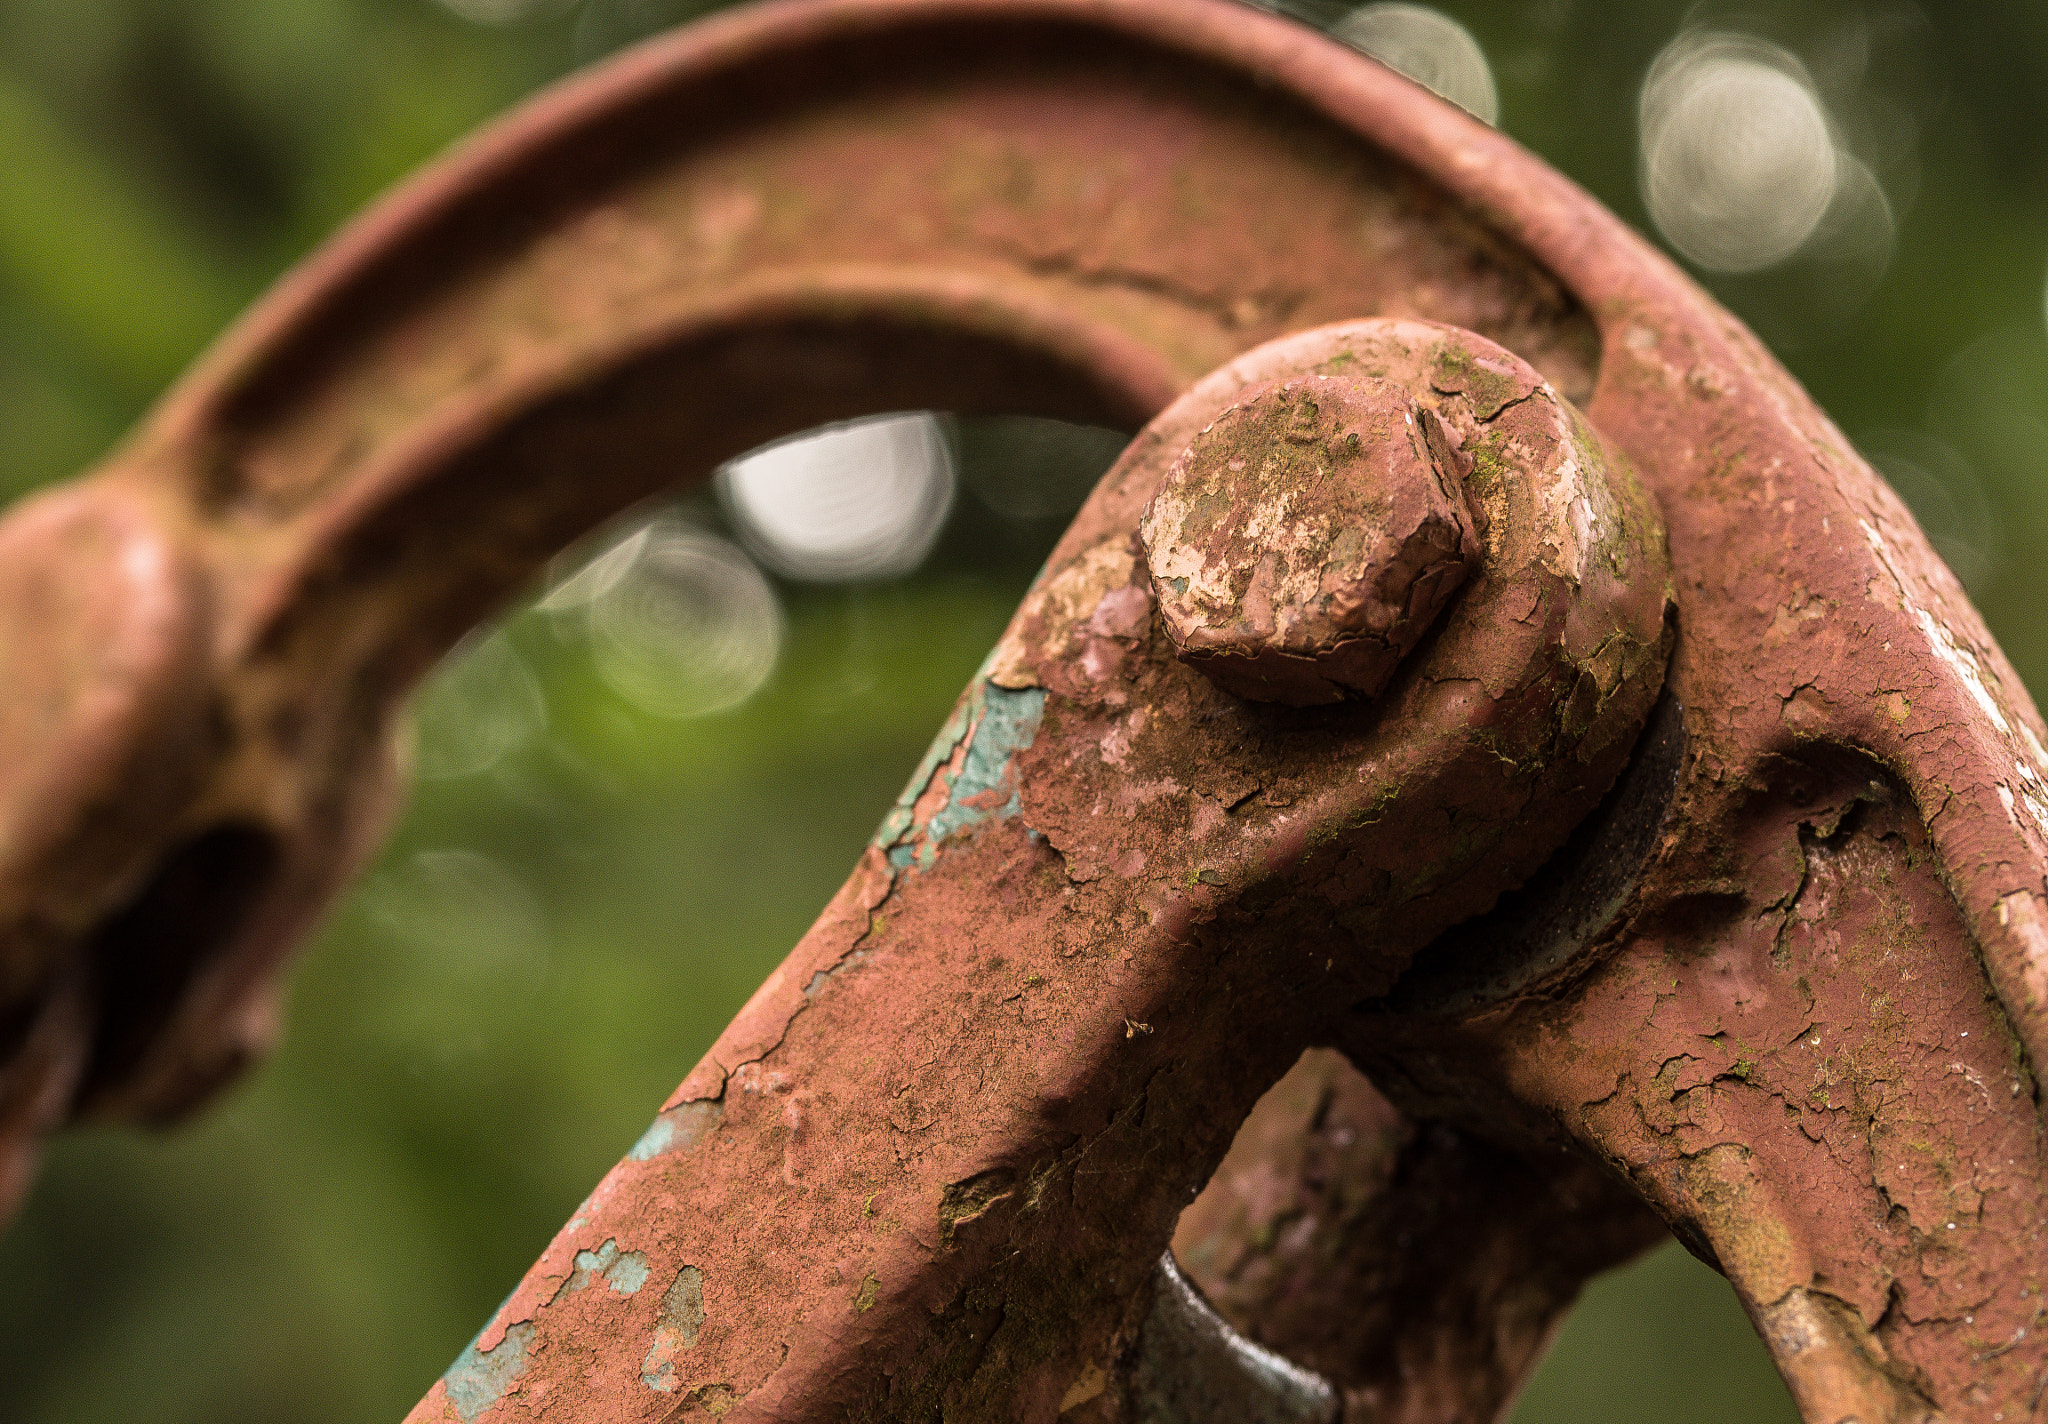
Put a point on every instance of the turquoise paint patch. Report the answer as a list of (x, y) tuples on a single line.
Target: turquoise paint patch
[(680, 1128), (659, 1138), (629, 1274), (624, 1271), (994, 724), (1009, 724), (897, 823), (589, 1263), (479, 1378)]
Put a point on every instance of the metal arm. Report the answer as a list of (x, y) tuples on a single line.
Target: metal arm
[(928, 1168)]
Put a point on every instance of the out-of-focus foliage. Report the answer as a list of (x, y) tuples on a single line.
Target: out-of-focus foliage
[(584, 891)]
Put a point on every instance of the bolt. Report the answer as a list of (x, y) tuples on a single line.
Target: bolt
[(1304, 542)]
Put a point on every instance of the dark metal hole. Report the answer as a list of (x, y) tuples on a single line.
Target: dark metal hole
[(147, 955), (1537, 933)]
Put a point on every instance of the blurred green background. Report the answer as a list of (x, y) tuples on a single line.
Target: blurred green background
[(558, 930)]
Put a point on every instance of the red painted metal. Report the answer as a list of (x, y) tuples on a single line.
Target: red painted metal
[(1309, 536), (1786, 986)]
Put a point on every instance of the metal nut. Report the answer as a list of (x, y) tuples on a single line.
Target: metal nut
[(1305, 541)]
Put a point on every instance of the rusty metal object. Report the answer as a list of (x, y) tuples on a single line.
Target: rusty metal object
[(1419, 1267), (933, 1164), (624, 280), (1189, 1366), (1098, 836), (1823, 1098)]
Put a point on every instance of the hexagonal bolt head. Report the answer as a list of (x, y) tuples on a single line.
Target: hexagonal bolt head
[(1306, 540)]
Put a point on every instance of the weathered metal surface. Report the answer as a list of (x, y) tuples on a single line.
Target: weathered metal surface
[(1419, 1267), (933, 1163), (1307, 539), (640, 274), (1814, 1083), (1108, 911), (1189, 1366)]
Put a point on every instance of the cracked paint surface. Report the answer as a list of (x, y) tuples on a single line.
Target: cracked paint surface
[(971, 1092), (1826, 1099), (479, 1378), (928, 1170), (966, 778)]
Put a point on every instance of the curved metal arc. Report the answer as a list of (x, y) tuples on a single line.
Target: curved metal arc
[(409, 380), (255, 475), (592, 132), (1657, 333)]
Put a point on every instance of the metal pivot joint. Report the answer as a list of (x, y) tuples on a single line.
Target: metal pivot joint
[(1488, 779), (1306, 540)]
